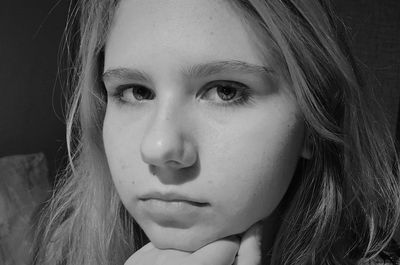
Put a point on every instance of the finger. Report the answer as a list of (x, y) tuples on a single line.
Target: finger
[(250, 247), (220, 252)]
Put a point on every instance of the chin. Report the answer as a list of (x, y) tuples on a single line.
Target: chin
[(183, 244), (185, 240)]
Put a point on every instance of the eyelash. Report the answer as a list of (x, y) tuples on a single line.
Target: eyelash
[(242, 93)]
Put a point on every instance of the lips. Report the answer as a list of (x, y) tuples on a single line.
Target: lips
[(171, 209), (174, 197)]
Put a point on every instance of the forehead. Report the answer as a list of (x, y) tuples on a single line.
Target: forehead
[(149, 32)]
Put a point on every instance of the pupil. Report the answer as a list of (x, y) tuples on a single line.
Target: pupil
[(226, 93), (140, 93)]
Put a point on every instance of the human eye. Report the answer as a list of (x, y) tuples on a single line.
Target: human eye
[(132, 94), (226, 93)]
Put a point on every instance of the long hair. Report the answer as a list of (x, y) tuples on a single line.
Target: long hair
[(343, 205)]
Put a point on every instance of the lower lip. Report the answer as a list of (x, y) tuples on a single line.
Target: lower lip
[(172, 212)]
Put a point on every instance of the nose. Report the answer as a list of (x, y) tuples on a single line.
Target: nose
[(167, 142)]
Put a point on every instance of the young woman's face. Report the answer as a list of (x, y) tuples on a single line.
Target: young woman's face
[(201, 139)]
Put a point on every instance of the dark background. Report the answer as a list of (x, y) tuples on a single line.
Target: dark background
[(31, 99)]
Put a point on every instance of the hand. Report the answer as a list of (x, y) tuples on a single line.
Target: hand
[(226, 251), (250, 247)]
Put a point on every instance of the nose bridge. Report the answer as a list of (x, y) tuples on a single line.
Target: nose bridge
[(166, 141), (168, 117), (170, 109)]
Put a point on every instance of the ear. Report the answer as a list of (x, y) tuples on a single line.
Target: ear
[(307, 151)]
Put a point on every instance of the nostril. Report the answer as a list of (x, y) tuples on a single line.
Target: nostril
[(168, 145), (173, 164), (152, 170)]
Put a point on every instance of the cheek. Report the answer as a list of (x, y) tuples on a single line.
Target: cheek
[(258, 165), (121, 146)]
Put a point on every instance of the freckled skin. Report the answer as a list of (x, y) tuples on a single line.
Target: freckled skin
[(239, 158)]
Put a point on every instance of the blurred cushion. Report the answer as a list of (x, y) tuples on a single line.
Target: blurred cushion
[(23, 187)]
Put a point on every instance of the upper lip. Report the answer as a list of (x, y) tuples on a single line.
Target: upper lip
[(172, 196)]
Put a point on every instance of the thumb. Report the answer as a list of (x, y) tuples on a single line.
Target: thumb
[(220, 252), (250, 247)]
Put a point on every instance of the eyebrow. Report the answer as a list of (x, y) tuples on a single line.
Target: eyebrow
[(125, 73), (207, 69), (194, 71)]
